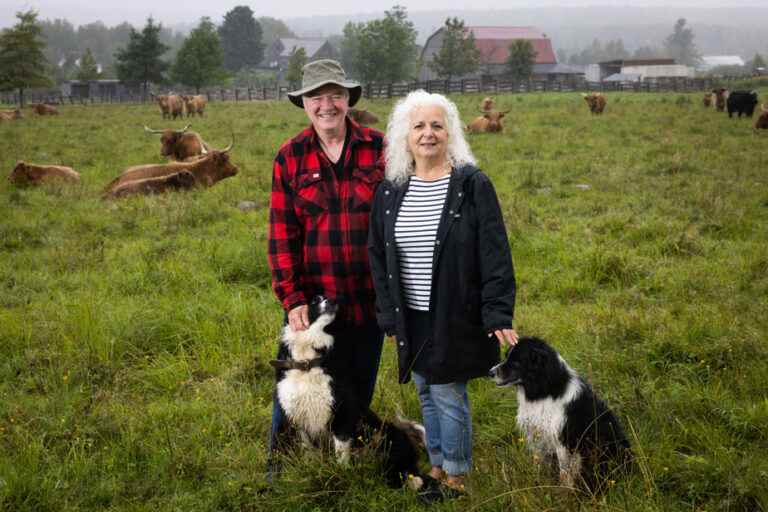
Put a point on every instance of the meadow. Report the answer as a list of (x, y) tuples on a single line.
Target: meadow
[(135, 334)]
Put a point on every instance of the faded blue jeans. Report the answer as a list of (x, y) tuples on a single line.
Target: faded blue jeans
[(448, 422)]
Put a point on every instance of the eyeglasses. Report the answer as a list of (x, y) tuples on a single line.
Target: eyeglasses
[(333, 97)]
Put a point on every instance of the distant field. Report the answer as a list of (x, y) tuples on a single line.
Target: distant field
[(135, 335)]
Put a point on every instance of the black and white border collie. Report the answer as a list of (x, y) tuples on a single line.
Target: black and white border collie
[(561, 417), (320, 402)]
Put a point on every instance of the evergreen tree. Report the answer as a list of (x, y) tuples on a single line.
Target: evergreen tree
[(679, 45), (295, 66), (22, 61), (458, 55), (89, 70), (521, 59), (381, 50), (199, 61), (647, 52), (139, 62), (241, 39), (273, 29), (757, 62)]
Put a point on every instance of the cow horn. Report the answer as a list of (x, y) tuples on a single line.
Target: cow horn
[(226, 149), (183, 129), (150, 130)]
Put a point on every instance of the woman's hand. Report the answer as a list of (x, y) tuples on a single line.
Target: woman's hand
[(506, 337)]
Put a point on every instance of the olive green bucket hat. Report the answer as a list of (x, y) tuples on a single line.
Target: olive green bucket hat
[(323, 72)]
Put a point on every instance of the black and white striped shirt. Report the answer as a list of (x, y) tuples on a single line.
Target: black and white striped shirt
[(415, 235)]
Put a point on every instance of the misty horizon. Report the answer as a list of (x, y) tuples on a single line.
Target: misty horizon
[(138, 11)]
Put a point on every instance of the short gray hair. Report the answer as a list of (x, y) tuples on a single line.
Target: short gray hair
[(399, 162)]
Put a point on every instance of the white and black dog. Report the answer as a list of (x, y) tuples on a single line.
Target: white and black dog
[(562, 418), (320, 402)]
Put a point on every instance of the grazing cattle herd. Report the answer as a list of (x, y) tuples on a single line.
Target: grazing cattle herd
[(194, 164)]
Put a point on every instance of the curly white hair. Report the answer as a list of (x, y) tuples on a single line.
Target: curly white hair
[(399, 161)]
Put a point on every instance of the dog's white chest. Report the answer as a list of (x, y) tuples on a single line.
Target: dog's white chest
[(542, 421), (307, 399)]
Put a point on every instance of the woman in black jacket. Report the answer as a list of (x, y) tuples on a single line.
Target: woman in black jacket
[(442, 269)]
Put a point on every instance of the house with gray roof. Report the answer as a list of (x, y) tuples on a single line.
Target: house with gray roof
[(278, 54)]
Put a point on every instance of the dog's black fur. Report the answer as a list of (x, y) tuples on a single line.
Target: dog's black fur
[(320, 401), (561, 416)]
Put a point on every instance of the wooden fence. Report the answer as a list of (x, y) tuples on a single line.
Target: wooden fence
[(392, 90)]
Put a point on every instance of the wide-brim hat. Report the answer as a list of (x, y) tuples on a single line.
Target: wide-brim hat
[(323, 72)]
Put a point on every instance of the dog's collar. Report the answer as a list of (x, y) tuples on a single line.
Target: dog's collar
[(290, 364)]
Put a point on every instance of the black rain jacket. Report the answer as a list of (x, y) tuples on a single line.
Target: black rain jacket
[(473, 281)]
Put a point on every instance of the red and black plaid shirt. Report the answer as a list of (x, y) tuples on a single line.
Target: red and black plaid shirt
[(318, 222)]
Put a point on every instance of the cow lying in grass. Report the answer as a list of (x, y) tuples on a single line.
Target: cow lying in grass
[(761, 123), (362, 117), (206, 171), (43, 109), (180, 145), (182, 180), (10, 115), (489, 122), (32, 174)]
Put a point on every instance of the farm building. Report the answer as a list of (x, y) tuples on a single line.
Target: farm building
[(709, 62), (279, 52), (493, 44), (97, 88), (638, 70)]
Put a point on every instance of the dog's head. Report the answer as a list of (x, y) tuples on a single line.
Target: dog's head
[(535, 367), (322, 309), (321, 312)]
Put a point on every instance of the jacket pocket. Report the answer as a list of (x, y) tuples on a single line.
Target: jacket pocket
[(364, 183), (311, 193)]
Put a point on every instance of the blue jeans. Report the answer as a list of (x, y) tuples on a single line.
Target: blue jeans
[(359, 349), (448, 422)]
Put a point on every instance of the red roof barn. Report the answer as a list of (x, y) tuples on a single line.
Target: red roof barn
[(493, 43)]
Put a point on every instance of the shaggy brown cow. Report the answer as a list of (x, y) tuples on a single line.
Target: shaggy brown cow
[(721, 95), (10, 115), (32, 174), (363, 117), (43, 109), (486, 105), (707, 99), (761, 123), (182, 180), (171, 106), (207, 170), (194, 104), (596, 102), (180, 145), (489, 122)]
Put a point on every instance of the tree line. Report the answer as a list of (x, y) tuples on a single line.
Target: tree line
[(38, 53)]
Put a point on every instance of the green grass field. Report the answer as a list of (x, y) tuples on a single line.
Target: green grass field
[(135, 334)]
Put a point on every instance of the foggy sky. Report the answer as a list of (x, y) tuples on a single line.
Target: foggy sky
[(171, 13)]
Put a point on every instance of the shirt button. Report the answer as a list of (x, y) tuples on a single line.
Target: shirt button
[(386, 212), (387, 244), (451, 212), (397, 310), (386, 192), (437, 242), (460, 194), (402, 343), (390, 276)]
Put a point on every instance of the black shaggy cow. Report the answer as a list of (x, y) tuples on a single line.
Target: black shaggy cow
[(742, 102)]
